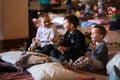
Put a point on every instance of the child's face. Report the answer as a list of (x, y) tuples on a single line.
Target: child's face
[(45, 22), (66, 25), (79, 4), (87, 6), (95, 7), (95, 35)]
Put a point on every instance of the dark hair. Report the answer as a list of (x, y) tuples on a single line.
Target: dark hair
[(72, 19), (102, 30)]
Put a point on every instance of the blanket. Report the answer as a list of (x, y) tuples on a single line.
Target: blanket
[(22, 74)]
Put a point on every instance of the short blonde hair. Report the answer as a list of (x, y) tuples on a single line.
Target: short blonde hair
[(43, 15)]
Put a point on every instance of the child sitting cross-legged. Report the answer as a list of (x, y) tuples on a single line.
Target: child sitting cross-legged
[(46, 35), (96, 56)]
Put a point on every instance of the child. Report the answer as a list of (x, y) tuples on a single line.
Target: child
[(87, 10), (45, 35), (80, 7), (68, 5), (97, 55), (73, 44), (95, 11)]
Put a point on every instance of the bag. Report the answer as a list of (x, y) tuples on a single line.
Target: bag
[(32, 59)]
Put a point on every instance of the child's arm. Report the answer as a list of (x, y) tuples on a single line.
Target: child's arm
[(92, 45), (35, 43)]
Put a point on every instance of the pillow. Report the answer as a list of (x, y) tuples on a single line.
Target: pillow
[(11, 56), (29, 59), (58, 20), (50, 71), (85, 24), (114, 61), (112, 36), (97, 21)]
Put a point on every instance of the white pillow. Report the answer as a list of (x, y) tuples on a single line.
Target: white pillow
[(11, 56), (114, 61), (50, 71), (58, 20)]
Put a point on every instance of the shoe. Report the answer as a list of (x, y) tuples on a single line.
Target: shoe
[(117, 72)]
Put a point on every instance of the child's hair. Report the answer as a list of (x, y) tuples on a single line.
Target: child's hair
[(72, 19), (42, 15), (102, 30)]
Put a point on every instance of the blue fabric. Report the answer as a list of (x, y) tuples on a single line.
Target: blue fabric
[(85, 24), (44, 1), (69, 2)]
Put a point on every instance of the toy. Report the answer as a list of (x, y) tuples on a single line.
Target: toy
[(111, 11)]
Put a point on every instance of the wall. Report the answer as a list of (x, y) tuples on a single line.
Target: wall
[(13, 19), (1, 22)]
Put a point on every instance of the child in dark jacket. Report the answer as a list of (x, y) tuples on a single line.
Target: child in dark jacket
[(73, 44)]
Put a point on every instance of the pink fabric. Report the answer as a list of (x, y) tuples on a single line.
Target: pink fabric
[(83, 77), (29, 77), (99, 21)]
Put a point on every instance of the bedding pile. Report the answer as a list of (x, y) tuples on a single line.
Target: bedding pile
[(46, 70)]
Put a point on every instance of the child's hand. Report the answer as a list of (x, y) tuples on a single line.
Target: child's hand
[(53, 40), (34, 39), (35, 43), (92, 46), (62, 49)]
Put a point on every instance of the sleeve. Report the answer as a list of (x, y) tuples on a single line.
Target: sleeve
[(100, 52), (55, 32), (38, 34), (52, 35), (64, 42)]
